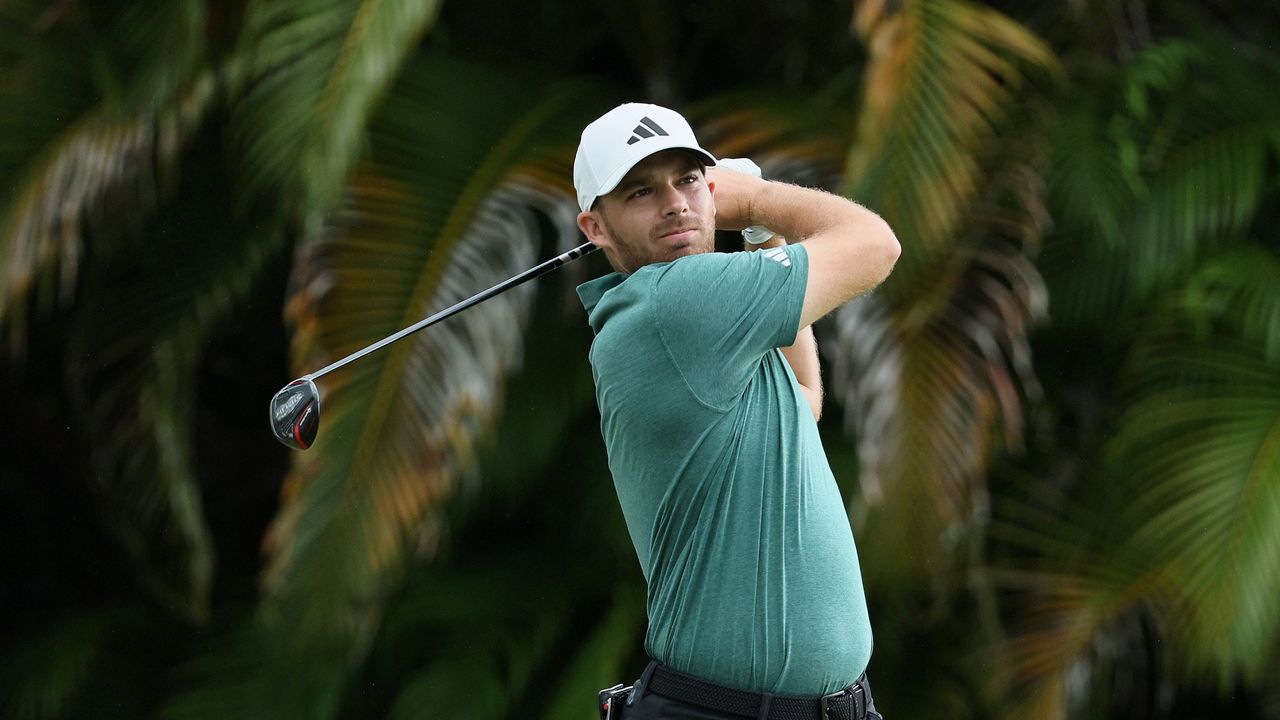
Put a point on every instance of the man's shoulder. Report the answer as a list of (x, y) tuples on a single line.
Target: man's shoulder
[(690, 271), (703, 273)]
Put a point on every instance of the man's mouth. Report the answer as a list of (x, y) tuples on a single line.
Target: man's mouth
[(680, 235)]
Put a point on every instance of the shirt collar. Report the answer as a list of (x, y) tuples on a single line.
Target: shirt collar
[(592, 291)]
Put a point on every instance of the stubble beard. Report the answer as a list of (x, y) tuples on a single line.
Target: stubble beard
[(633, 256)]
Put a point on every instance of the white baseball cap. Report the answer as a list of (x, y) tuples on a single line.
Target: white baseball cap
[(622, 137)]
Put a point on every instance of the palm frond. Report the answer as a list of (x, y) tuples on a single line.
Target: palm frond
[(1270, 704), (794, 138), (1203, 440), (942, 76), (226, 677), (499, 599), (102, 663), (428, 221), (1199, 455), (1179, 523), (77, 147), (1241, 290), (488, 653), (493, 665), (534, 634), (132, 372), (313, 73), (932, 369), (43, 676), (932, 391), (1105, 661), (1083, 636), (1171, 155)]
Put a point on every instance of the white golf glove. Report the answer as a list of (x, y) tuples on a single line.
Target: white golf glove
[(756, 234)]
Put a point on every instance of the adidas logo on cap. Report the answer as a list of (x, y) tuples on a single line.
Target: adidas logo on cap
[(646, 129)]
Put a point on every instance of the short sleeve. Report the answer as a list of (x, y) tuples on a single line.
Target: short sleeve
[(718, 314)]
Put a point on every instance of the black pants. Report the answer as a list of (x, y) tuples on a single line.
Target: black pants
[(652, 706)]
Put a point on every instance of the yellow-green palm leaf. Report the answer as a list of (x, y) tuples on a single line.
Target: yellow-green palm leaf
[(934, 390), (943, 74), (434, 216), (933, 368)]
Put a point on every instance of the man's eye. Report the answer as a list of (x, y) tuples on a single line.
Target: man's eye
[(691, 178), (638, 193)]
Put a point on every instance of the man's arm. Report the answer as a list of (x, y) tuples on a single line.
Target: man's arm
[(803, 359), (802, 355), (850, 249)]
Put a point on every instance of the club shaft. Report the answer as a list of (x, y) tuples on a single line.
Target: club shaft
[(527, 275)]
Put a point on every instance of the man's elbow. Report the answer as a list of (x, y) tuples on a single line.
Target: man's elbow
[(887, 250)]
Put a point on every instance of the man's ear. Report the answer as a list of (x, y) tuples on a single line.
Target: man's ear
[(592, 226)]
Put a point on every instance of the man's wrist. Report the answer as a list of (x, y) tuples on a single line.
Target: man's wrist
[(776, 241)]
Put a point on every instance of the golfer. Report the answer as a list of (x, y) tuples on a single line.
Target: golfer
[(707, 379)]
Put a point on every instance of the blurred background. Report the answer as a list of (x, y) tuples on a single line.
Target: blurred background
[(1056, 426)]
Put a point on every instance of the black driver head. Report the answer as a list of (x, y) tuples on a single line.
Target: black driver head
[(295, 414)]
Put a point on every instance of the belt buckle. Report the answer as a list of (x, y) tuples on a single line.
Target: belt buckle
[(824, 703), (608, 699)]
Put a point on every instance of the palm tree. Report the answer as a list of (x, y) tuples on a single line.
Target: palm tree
[(1166, 536), (1025, 517)]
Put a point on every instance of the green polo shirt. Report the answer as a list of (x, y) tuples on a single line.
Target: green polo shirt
[(737, 521)]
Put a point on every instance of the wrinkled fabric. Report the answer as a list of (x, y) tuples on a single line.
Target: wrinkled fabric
[(737, 521)]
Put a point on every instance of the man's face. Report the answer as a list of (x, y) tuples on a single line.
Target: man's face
[(663, 209)]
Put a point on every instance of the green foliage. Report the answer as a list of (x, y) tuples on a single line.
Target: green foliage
[(1200, 443), (92, 122), (101, 664), (943, 76), (934, 368), (1178, 519), (1063, 408), (1158, 170), (312, 74), (135, 356), (42, 678), (410, 240)]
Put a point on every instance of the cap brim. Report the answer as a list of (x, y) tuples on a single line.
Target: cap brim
[(616, 176)]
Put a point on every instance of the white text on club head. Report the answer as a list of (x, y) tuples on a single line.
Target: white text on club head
[(288, 405)]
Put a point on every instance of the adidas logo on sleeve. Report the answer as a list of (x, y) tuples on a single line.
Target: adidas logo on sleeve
[(777, 255)]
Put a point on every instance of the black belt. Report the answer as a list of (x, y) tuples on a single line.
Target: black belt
[(847, 704)]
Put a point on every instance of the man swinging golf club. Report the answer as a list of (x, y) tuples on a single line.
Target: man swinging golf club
[(708, 384)]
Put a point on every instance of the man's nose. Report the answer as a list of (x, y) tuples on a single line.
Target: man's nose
[(673, 201)]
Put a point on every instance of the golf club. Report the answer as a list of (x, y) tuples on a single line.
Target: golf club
[(295, 410)]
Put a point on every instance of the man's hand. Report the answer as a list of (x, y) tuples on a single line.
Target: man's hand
[(734, 193)]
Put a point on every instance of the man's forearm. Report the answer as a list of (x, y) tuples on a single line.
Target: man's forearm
[(851, 249)]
